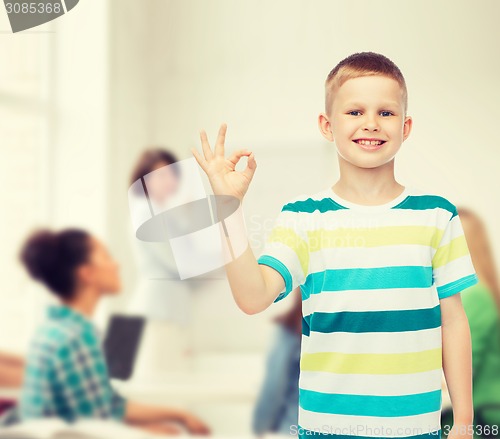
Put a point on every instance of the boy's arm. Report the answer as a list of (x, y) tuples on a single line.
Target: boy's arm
[(457, 358), (254, 287), (143, 414)]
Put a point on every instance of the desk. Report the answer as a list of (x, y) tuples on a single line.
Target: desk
[(225, 401), (10, 393), (98, 429)]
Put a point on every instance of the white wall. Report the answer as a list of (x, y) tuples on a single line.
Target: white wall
[(129, 94), (260, 66), (79, 149), (62, 182)]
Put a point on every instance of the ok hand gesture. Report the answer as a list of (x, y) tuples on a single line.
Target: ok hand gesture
[(223, 177)]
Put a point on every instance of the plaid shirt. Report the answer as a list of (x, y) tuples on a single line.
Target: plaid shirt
[(66, 374)]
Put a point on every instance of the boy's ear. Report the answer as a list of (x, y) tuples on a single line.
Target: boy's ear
[(408, 123), (325, 127)]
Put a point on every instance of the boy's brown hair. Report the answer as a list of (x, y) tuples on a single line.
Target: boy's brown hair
[(358, 65)]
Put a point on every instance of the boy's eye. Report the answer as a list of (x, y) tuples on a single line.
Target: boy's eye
[(383, 113)]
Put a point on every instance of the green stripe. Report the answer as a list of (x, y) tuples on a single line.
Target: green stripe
[(427, 202), (281, 269), (306, 325), (328, 432), (405, 276), (457, 286), (413, 202), (369, 405), (310, 205), (376, 321)]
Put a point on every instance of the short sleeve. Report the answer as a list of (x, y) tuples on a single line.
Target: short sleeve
[(287, 249), (452, 268)]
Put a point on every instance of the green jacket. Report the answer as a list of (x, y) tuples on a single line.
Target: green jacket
[(484, 322)]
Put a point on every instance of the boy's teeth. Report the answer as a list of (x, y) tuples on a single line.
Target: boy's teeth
[(369, 142)]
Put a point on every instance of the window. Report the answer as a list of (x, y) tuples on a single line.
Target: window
[(25, 128)]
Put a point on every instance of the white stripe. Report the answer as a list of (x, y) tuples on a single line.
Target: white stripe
[(371, 300), (436, 217), (368, 257), (453, 270), (343, 424), (373, 342), (454, 230), (293, 220), (364, 384)]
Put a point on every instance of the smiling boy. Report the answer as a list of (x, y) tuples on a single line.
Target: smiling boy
[(380, 266)]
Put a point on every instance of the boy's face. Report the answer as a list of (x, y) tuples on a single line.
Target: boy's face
[(369, 107)]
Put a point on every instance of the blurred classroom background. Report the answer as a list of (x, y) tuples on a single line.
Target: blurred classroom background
[(82, 96)]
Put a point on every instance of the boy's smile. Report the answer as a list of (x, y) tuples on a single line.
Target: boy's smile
[(367, 121), (370, 144)]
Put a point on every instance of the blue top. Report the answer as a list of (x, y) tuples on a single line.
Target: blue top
[(66, 374), (277, 409)]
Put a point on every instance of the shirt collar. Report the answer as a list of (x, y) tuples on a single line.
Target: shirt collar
[(64, 312)]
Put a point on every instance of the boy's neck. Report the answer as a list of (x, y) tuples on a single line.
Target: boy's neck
[(367, 185)]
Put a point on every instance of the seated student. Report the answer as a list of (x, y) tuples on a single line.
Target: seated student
[(66, 374)]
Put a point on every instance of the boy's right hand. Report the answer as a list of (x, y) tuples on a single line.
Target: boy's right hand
[(223, 177)]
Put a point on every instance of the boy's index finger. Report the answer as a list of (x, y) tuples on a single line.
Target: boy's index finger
[(221, 138)]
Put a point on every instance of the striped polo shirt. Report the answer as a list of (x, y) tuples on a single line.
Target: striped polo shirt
[(371, 279)]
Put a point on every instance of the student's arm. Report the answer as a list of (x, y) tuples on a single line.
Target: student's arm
[(11, 370), (10, 376), (457, 361), (11, 360), (254, 287), (142, 414)]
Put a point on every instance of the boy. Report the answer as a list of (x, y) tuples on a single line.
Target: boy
[(380, 266)]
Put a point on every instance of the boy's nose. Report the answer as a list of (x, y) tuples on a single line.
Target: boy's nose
[(371, 125)]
